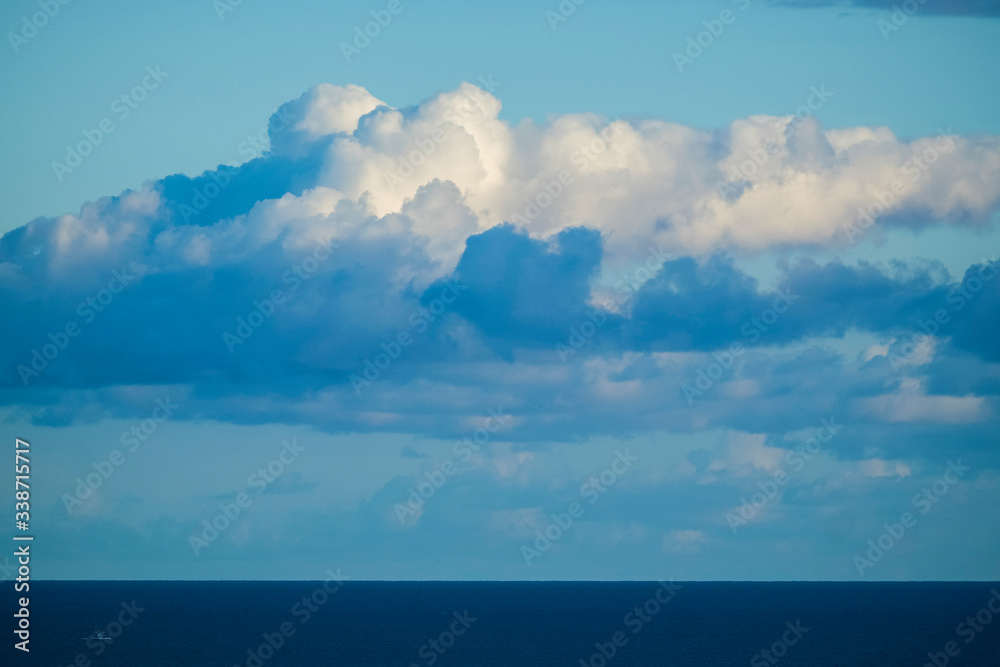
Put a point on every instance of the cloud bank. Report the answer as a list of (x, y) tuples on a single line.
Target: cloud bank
[(384, 268)]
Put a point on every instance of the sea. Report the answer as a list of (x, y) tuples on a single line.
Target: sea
[(313, 624)]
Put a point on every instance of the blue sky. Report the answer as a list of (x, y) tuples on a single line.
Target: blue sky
[(490, 211)]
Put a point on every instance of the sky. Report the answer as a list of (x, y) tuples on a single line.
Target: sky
[(532, 291)]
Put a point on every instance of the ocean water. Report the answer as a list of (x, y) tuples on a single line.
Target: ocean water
[(195, 624)]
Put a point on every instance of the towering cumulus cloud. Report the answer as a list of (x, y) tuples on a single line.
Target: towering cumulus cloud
[(376, 260)]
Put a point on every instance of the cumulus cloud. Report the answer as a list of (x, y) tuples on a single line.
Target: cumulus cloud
[(388, 268), (453, 168), (759, 182)]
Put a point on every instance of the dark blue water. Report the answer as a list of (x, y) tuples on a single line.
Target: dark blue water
[(367, 623)]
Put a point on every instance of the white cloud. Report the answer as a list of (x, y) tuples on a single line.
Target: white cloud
[(450, 167), (323, 110), (883, 468), (649, 181), (746, 452), (684, 541), (917, 408)]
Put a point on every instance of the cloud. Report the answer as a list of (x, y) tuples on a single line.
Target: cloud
[(408, 452), (520, 289), (290, 483), (883, 468), (988, 8), (746, 453), (753, 184), (908, 407), (266, 297), (684, 541), (496, 344), (452, 168)]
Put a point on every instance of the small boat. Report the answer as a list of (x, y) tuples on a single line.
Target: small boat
[(99, 635)]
